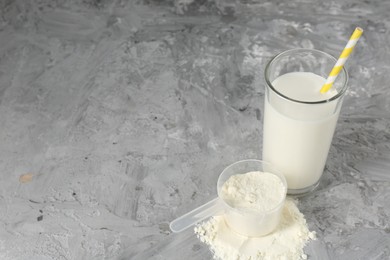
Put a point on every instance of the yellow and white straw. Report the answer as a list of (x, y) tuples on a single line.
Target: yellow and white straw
[(342, 59)]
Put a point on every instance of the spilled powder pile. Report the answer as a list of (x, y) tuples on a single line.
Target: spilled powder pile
[(286, 242)]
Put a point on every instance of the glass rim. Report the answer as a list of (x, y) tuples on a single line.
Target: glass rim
[(269, 84)]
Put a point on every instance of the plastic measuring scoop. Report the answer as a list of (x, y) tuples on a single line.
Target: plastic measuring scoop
[(249, 223), (214, 207)]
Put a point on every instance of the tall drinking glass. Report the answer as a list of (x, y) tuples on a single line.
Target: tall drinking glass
[(299, 123)]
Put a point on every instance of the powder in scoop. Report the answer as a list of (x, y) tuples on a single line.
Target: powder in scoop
[(253, 191)]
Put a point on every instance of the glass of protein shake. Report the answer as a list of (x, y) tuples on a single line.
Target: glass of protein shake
[(299, 121)]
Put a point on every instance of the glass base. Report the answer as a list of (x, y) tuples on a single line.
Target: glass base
[(302, 192)]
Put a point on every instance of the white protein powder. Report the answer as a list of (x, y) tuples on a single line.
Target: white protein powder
[(285, 243), (253, 191), (259, 192)]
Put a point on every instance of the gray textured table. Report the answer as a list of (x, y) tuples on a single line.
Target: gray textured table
[(116, 117)]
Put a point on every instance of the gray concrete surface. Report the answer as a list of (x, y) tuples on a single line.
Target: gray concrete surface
[(118, 116)]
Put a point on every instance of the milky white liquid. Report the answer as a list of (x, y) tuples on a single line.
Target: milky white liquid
[(297, 136)]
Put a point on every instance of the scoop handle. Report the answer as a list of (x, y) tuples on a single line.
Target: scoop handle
[(212, 208)]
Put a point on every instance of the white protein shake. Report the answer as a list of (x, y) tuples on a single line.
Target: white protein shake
[(297, 136)]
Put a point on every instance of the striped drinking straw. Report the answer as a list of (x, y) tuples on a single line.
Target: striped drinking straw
[(342, 59)]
